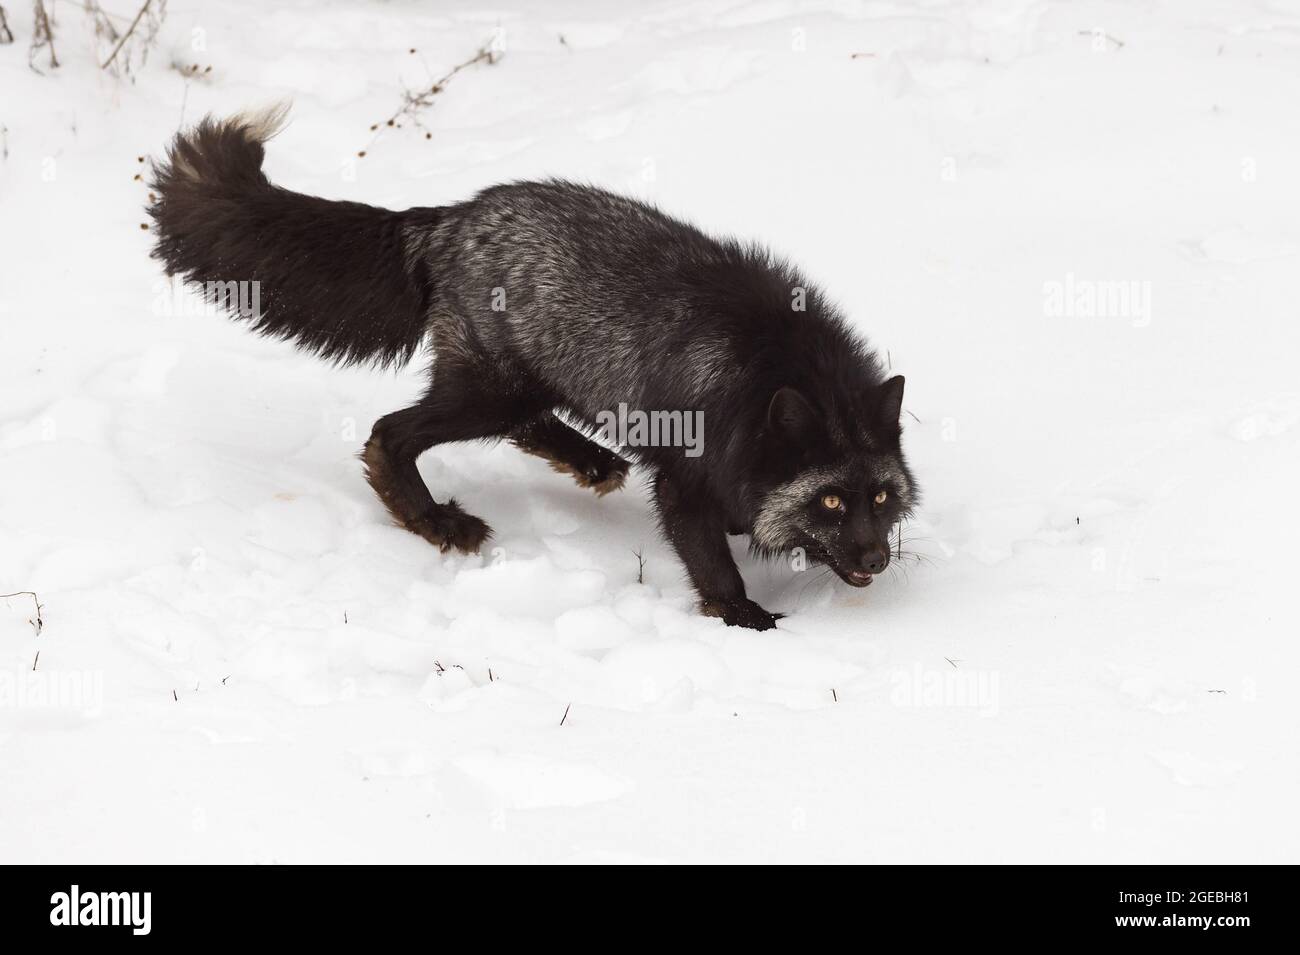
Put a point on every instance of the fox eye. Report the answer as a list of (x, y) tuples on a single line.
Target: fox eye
[(832, 502), (880, 498)]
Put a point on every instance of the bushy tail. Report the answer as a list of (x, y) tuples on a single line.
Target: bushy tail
[(337, 278)]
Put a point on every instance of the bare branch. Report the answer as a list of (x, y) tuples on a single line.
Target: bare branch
[(413, 101), (126, 36), (42, 36), (37, 623), (151, 13)]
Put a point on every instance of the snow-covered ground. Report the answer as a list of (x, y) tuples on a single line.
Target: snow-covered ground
[(242, 660)]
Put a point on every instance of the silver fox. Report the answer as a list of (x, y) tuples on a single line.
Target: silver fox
[(544, 303)]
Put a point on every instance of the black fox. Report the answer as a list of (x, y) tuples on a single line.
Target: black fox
[(542, 299)]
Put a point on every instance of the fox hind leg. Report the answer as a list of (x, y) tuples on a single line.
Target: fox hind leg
[(571, 452), (457, 407)]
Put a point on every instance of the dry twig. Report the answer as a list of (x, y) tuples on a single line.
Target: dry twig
[(37, 624), (414, 101), (151, 13), (42, 36)]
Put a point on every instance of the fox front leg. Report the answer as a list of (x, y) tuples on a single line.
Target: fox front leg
[(694, 525)]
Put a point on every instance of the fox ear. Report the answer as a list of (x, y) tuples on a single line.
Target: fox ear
[(790, 415), (890, 407)]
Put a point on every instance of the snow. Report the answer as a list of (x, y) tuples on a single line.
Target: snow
[(243, 661)]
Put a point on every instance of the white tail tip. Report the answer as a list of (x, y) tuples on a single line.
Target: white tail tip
[(263, 123)]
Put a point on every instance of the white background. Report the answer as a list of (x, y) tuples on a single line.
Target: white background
[(1094, 662)]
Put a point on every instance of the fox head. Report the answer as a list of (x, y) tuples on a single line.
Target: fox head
[(837, 483)]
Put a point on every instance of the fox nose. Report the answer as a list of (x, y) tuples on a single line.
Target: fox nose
[(875, 560)]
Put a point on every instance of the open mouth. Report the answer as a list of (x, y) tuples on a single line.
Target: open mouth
[(858, 578), (854, 578)]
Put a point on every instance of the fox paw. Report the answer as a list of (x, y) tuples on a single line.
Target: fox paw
[(603, 472), (741, 613), (448, 527)]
